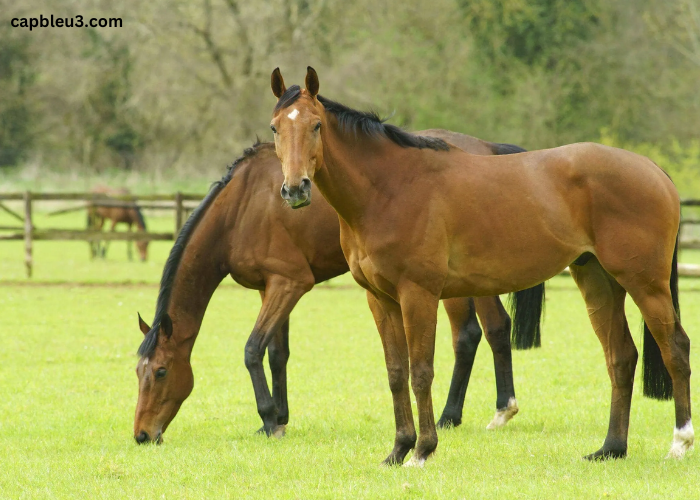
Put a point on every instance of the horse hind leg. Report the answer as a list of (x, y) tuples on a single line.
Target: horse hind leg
[(129, 245), (656, 305), (605, 301), (497, 325), (466, 335)]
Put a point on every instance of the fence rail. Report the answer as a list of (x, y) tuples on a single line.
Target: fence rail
[(29, 233)]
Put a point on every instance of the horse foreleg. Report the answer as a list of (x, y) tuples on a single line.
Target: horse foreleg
[(281, 295), (387, 316), (496, 323), (129, 244), (278, 351), (419, 313), (466, 335), (106, 245), (98, 223)]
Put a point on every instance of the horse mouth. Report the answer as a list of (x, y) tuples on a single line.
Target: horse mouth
[(300, 203)]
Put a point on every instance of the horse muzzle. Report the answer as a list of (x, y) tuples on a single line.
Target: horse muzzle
[(297, 196), (143, 437)]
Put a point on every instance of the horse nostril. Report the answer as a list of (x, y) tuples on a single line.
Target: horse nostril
[(284, 192), (142, 437), (305, 185)]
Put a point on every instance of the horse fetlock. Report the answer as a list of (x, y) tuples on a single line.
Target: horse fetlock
[(268, 412), (613, 448), (503, 415), (426, 446), (415, 461), (683, 440)]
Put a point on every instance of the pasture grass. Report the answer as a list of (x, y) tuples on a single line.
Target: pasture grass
[(68, 392)]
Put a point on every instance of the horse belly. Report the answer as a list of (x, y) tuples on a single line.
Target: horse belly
[(477, 272)]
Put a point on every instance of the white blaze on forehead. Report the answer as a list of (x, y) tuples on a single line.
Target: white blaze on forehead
[(145, 362), (293, 114)]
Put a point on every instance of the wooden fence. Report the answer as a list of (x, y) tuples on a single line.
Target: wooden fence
[(29, 233)]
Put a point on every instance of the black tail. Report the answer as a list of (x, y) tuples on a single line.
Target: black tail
[(526, 308), (657, 381)]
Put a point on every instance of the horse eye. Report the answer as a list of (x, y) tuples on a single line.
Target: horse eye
[(274, 130), (317, 127), (160, 373)]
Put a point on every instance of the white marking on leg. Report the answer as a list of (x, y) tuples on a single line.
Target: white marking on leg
[(293, 114), (415, 462), (682, 440), (503, 416)]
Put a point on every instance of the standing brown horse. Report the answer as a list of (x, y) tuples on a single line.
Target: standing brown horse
[(129, 215), (242, 229), (422, 221)]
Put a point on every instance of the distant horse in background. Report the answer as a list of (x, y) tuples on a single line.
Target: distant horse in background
[(128, 215)]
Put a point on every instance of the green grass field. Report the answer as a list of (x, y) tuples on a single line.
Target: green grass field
[(68, 392)]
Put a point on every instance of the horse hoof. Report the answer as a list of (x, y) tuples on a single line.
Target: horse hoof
[(603, 454), (447, 423), (415, 462), (279, 431), (503, 416), (683, 439)]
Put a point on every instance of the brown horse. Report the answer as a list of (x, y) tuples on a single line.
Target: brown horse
[(129, 215), (242, 229), (422, 221)]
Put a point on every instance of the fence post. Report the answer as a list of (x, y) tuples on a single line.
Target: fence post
[(28, 228), (178, 213)]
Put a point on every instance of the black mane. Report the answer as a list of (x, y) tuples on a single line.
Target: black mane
[(367, 123), (150, 340), (290, 96)]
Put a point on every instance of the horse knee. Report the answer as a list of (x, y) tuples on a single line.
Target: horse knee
[(421, 377), (278, 357), (397, 379), (253, 355)]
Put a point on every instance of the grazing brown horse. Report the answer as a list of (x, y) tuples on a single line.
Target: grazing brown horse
[(242, 229), (97, 214), (422, 221)]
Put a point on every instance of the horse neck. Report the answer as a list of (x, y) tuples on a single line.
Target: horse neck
[(346, 178), (197, 277), (135, 219)]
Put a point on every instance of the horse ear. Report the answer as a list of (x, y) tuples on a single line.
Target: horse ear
[(277, 83), (311, 81), (166, 324), (143, 325)]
